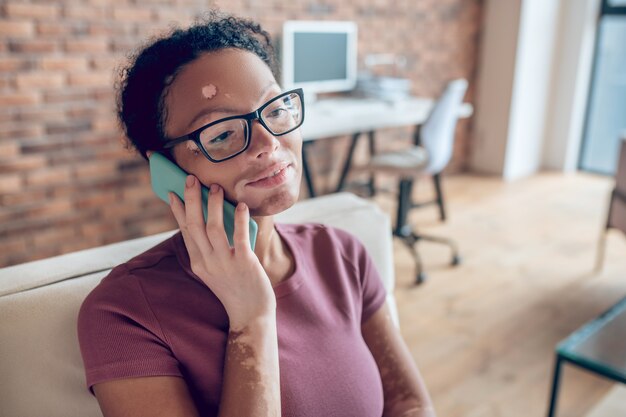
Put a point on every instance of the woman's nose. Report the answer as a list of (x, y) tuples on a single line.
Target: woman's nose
[(263, 142)]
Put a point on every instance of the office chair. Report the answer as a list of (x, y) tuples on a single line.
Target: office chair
[(616, 217), (432, 150)]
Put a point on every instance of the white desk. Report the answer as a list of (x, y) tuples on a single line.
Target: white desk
[(347, 115), (338, 116)]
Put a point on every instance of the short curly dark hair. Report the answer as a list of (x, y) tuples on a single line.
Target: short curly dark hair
[(143, 83)]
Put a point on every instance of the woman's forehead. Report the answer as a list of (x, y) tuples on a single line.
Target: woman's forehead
[(235, 70), (229, 78)]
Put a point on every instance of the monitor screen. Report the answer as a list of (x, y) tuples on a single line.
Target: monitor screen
[(319, 56)]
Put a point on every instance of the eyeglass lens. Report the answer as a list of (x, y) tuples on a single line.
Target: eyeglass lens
[(229, 137)]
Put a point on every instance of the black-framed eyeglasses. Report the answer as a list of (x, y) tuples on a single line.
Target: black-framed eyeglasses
[(228, 137)]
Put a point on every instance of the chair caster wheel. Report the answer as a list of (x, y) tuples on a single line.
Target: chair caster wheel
[(421, 277), (456, 260)]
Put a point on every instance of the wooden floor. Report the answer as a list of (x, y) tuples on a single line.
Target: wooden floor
[(483, 333)]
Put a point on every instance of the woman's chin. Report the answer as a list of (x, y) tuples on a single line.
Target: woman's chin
[(274, 203)]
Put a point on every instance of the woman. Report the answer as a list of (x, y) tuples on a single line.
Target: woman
[(195, 327)]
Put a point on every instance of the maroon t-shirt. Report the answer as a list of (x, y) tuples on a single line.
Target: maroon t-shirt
[(153, 316)]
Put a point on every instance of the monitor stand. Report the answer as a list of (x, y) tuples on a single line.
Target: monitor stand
[(310, 97)]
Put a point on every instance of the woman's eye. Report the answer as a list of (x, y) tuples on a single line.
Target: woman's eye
[(220, 138), (278, 112)]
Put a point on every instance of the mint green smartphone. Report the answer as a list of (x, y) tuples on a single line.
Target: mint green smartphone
[(167, 176)]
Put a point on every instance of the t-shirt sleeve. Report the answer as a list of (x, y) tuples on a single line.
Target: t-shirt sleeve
[(372, 290), (374, 293), (119, 335)]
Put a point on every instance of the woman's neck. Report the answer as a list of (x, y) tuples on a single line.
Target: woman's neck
[(271, 251), (265, 238)]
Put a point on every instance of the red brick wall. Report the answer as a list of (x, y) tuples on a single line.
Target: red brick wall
[(67, 182)]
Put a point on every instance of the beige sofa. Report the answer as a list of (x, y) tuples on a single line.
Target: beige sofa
[(41, 370)]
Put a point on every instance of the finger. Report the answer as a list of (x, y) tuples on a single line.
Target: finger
[(241, 234), (194, 218), (215, 219), (179, 214), (178, 210), (149, 153)]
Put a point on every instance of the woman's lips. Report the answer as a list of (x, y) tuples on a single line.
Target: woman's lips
[(273, 180)]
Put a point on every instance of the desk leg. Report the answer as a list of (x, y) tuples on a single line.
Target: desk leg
[(348, 162), (417, 135), (555, 387), (306, 172), (372, 142), (404, 205)]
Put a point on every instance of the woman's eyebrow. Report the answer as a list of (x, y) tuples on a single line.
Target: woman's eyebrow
[(207, 112)]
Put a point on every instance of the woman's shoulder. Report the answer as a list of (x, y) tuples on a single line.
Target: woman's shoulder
[(124, 282), (140, 293), (167, 249)]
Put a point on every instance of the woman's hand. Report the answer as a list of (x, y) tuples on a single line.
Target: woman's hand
[(234, 274)]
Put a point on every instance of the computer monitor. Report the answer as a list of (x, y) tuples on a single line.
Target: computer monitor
[(319, 56)]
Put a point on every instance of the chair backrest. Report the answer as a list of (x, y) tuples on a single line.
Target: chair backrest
[(437, 132)]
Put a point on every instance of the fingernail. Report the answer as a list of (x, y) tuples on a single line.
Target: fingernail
[(190, 180), (214, 188), (241, 206)]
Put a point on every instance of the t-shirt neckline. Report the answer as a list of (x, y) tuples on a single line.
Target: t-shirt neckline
[(293, 282)]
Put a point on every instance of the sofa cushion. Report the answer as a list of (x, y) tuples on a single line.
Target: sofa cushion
[(40, 362)]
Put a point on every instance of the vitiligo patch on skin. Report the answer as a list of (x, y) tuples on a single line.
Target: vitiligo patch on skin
[(209, 91), (241, 350), (191, 146)]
